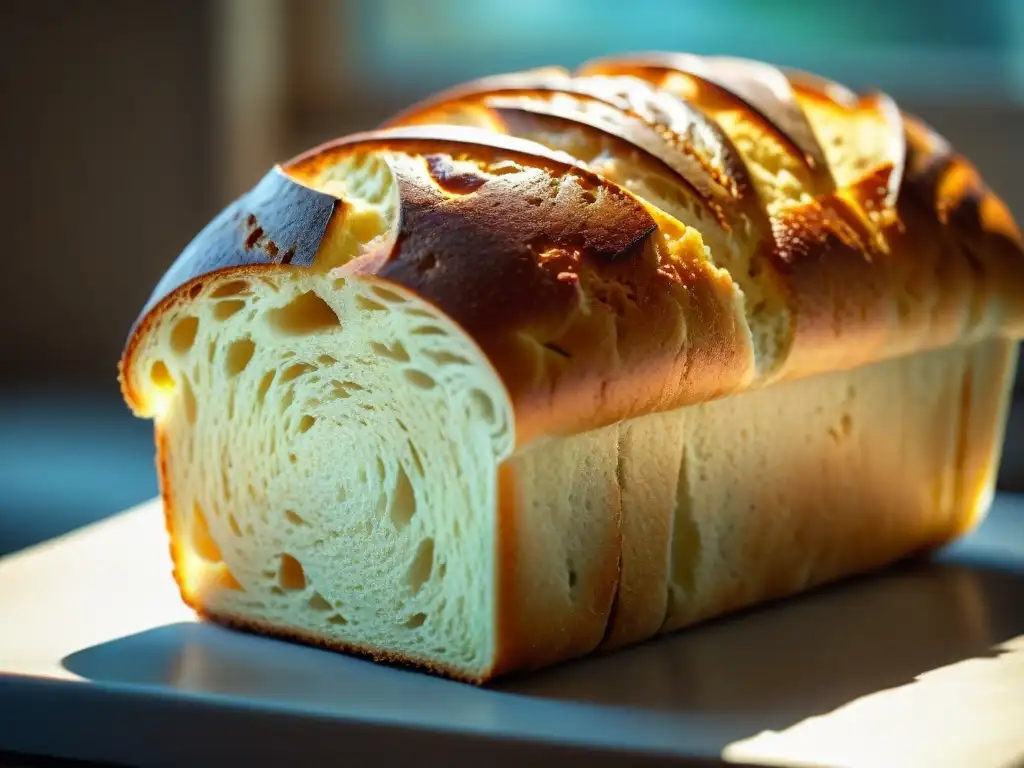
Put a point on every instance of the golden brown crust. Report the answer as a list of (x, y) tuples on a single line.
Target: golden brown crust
[(720, 83), (972, 224), (515, 103), (942, 265), (765, 89), (554, 272), (859, 285), (873, 112), (915, 253), (690, 145)]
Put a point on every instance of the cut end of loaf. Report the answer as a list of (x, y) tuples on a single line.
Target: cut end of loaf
[(328, 457)]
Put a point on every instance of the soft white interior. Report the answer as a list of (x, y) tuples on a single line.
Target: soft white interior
[(331, 447)]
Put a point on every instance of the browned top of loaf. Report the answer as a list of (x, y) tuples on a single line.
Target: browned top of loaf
[(556, 273), (861, 232)]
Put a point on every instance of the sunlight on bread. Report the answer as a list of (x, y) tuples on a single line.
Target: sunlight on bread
[(552, 364)]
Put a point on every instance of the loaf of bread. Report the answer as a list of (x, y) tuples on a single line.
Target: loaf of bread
[(555, 362)]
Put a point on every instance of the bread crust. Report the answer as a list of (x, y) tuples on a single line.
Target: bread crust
[(628, 117), (943, 266), (570, 282), (276, 222), (759, 89), (915, 255)]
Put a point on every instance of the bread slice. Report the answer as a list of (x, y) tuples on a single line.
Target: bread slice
[(553, 363)]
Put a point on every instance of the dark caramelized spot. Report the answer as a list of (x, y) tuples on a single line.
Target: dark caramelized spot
[(254, 237), (828, 228), (459, 180)]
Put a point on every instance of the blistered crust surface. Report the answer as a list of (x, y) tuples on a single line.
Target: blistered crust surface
[(556, 272), (651, 231)]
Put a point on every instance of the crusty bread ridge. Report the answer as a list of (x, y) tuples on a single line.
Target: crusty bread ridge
[(554, 362)]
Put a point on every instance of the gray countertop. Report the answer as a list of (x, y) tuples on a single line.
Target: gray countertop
[(922, 664)]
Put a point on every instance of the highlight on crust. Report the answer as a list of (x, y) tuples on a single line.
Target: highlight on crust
[(554, 362)]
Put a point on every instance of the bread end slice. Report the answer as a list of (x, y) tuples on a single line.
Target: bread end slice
[(328, 452)]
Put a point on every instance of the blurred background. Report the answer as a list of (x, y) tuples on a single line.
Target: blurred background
[(127, 125)]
